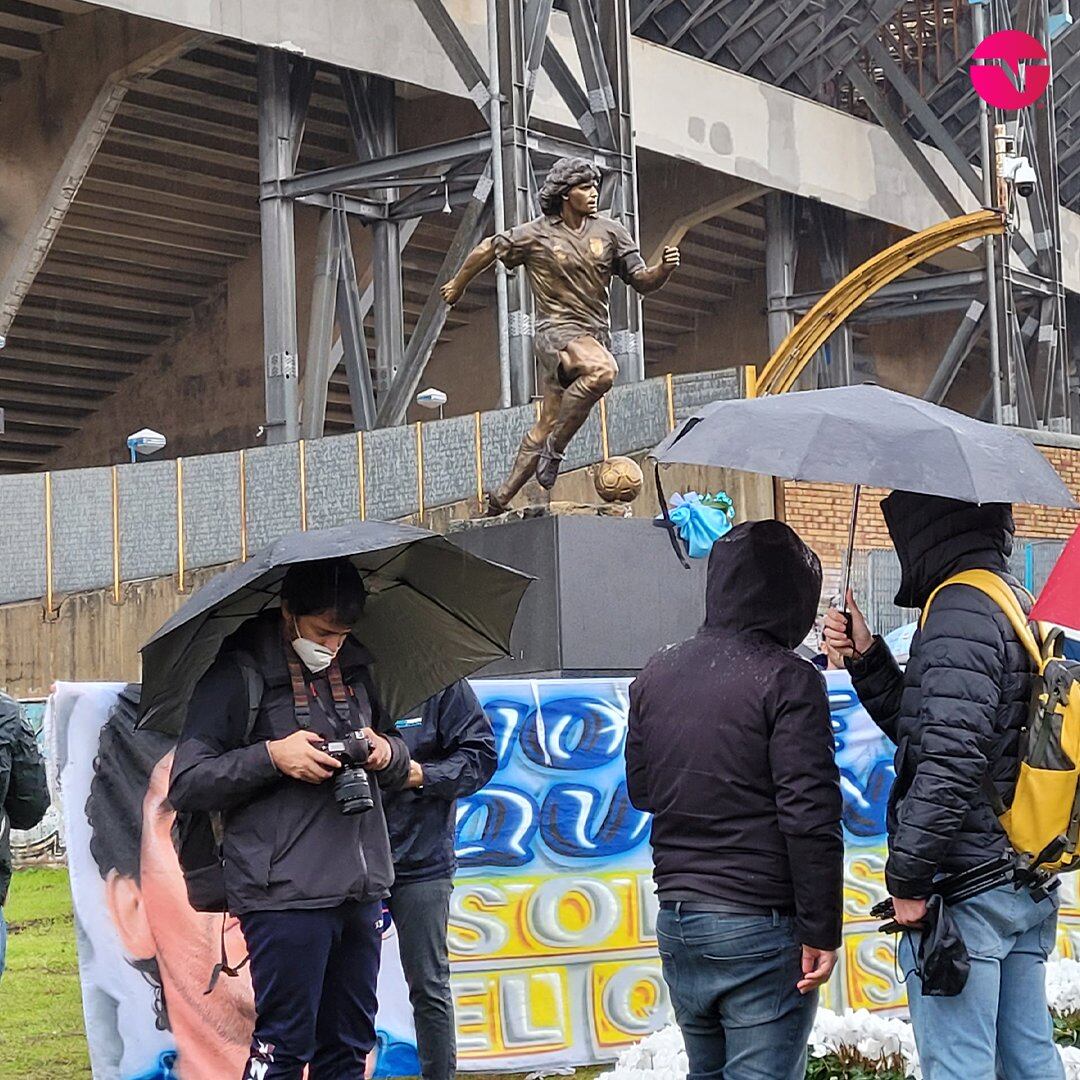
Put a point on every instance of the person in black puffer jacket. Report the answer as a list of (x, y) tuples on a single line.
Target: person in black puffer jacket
[(957, 715)]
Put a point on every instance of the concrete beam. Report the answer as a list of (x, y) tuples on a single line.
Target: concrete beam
[(41, 171)]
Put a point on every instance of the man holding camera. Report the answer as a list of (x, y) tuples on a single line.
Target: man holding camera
[(306, 852)]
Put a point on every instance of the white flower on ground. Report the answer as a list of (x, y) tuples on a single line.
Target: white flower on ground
[(1063, 986)]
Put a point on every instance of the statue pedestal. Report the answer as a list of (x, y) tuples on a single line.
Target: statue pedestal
[(609, 591)]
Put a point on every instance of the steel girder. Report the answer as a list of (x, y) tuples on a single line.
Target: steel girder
[(388, 187), (797, 44)]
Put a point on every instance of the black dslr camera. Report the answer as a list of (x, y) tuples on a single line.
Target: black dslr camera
[(352, 790)]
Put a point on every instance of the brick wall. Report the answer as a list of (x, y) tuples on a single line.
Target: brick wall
[(820, 513)]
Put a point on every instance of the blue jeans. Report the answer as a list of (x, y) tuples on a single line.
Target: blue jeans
[(1000, 1026), (3, 942), (733, 980)]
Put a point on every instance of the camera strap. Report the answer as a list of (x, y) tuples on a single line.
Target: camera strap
[(346, 707)]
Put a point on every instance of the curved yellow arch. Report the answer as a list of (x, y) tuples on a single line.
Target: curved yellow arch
[(814, 328)]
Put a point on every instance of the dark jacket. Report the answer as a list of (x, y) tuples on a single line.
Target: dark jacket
[(24, 795), (957, 711), (453, 741), (286, 845), (730, 743)]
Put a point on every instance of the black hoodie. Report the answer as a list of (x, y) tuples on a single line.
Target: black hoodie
[(958, 710), (730, 744)]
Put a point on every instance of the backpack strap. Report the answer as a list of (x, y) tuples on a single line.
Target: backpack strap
[(255, 684), (987, 582)]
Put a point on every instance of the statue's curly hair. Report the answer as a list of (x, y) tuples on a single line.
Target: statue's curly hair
[(565, 174)]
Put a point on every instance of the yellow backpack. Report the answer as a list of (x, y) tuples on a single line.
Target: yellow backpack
[(1043, 822)]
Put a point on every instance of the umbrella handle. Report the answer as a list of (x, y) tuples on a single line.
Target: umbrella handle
[(840, 602), (849, 554), (668, 524)]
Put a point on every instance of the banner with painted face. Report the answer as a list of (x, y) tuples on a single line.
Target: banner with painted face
[(552, 925)]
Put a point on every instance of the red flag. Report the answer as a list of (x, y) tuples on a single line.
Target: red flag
[(1059, 602)]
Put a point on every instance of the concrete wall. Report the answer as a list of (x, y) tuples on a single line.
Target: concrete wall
[(76, 530), (93, 638)]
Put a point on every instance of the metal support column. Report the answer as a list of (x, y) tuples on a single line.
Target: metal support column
[(614, 38), (386, 254), (978, 14), (963, 341), (1060, 379), (277, 130), (781, 256), (515, 195), (832, 229), (495, 122), (317, 360)]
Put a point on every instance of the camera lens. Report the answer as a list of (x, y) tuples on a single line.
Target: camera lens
[(352, 791)]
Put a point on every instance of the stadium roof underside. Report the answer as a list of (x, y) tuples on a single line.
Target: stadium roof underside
[(916, 52)]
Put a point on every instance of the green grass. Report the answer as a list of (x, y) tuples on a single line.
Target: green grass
[(41, 1019)]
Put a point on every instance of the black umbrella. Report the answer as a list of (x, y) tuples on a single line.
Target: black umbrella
[(867, 435), (434, 614), (872, 436)]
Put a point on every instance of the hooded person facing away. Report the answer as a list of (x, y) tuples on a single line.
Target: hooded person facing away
[(957, 715), (730, 748)]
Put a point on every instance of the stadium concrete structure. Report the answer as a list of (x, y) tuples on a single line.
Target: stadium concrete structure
[(194, 237)]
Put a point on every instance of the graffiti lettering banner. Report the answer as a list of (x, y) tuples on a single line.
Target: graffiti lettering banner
[(552, 925)]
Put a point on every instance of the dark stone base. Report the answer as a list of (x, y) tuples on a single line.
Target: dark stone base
[(609, 590)]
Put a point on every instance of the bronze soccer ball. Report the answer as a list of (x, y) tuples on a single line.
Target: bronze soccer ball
[(619, 479)]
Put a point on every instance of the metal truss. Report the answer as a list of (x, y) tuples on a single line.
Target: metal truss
[(797, 44), (791, 358), (905, 64), (493, 175)]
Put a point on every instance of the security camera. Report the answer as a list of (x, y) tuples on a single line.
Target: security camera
[(1018, 171), (431, 398), (145, 442)]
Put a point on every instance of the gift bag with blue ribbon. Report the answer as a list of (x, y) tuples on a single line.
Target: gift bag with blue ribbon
[(700, 520)]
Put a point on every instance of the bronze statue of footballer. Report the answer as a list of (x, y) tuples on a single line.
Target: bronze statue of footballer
[(570, 253)]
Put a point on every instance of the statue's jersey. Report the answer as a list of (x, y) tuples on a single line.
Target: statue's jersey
[(569, 273)]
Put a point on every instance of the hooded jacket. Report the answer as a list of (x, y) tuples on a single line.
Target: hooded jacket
[(24, 796), (730, 743), (957, 711), (286, 844), (455, 745)]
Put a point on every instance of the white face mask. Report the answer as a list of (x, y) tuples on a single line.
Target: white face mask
[(314, 656)]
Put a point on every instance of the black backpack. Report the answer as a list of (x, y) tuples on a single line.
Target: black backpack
[(199, 833)]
